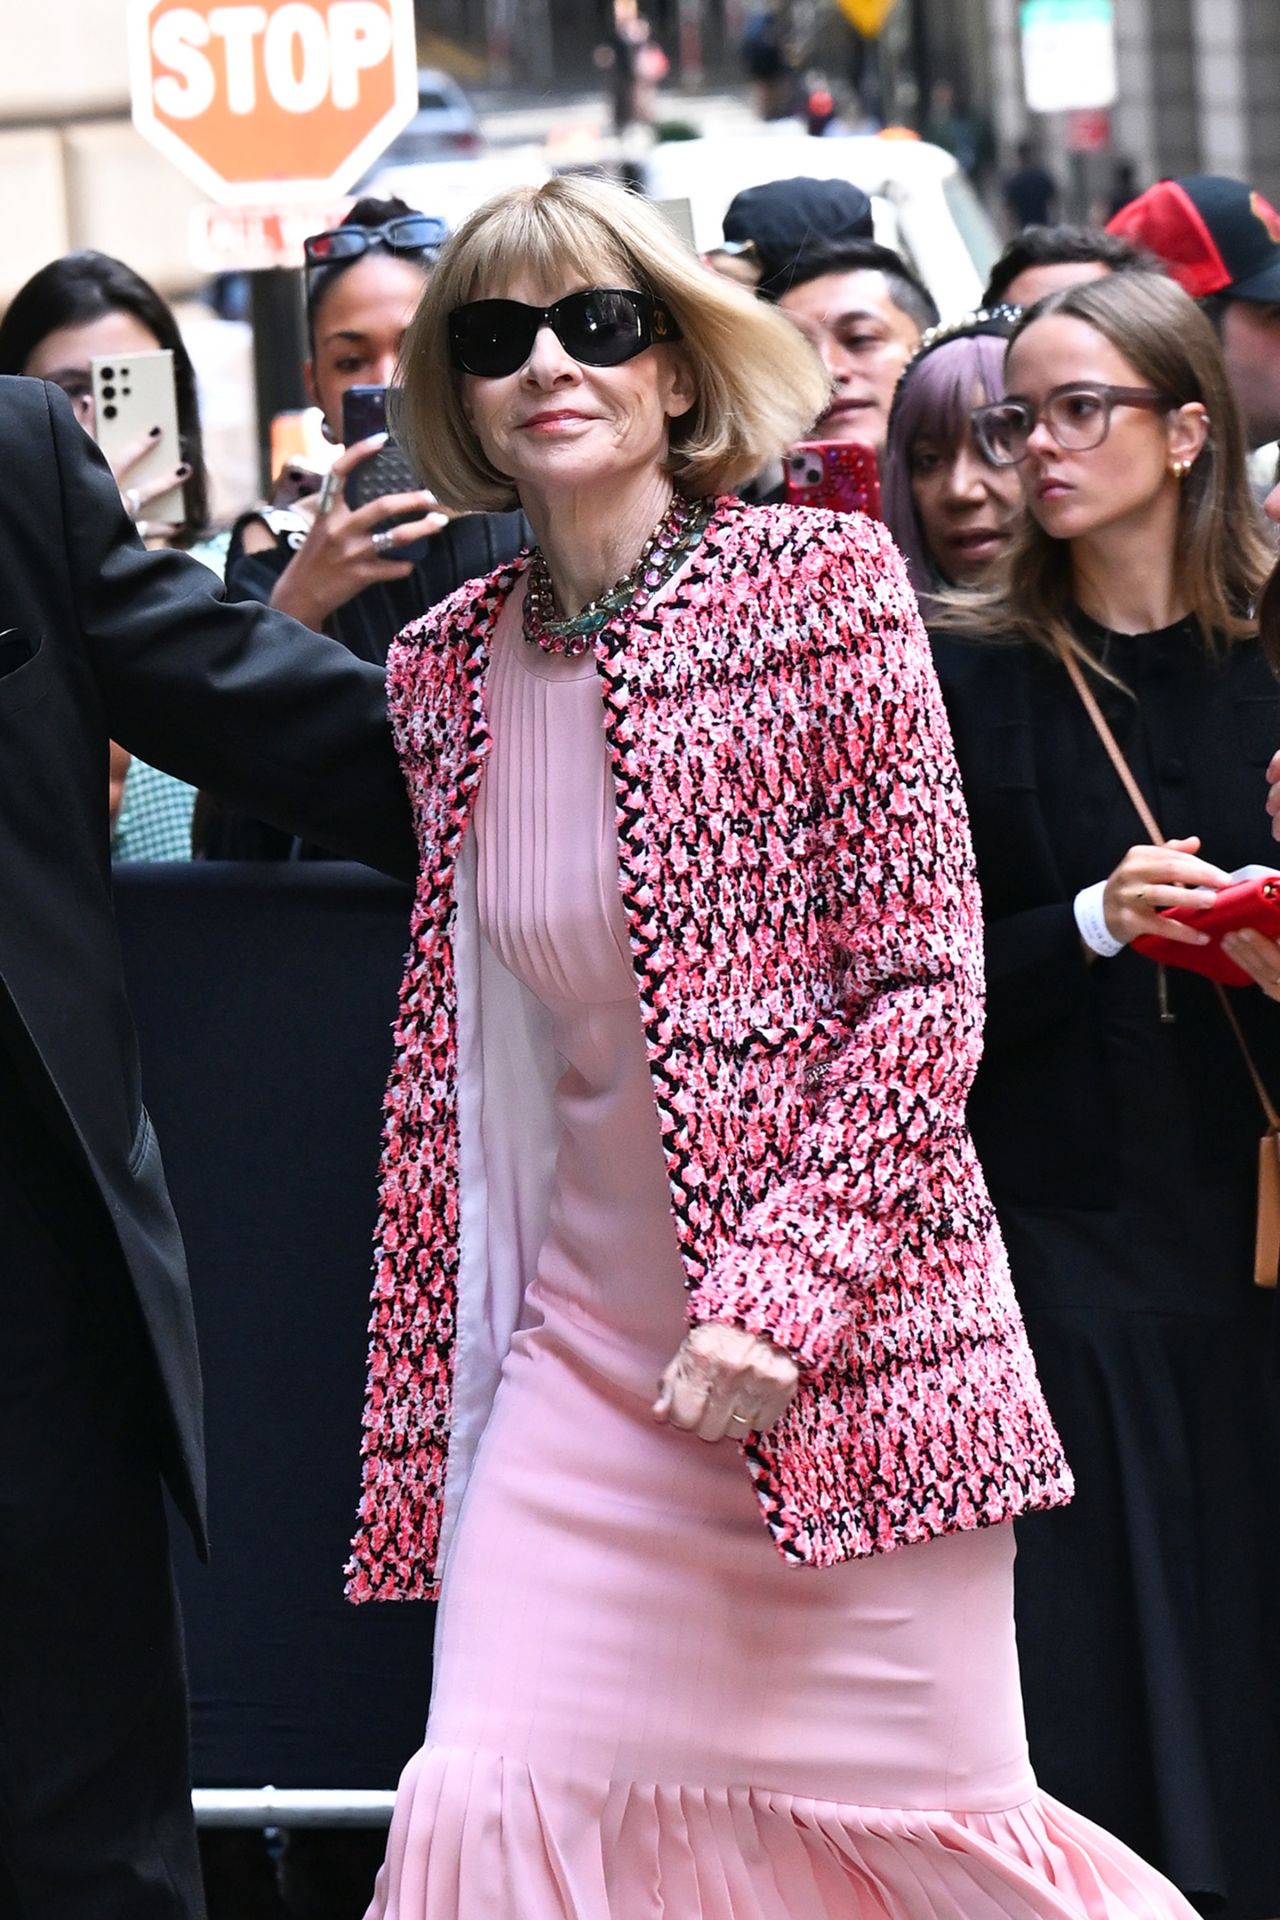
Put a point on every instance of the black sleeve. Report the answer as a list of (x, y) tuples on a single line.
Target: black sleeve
[(237, 699), (1036, 969), (253, 576), (1036, 972), (470, 546)]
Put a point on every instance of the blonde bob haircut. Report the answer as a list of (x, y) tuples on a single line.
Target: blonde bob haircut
[(759, 385)]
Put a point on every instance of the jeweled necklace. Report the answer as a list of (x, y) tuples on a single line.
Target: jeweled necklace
[(676, 534)]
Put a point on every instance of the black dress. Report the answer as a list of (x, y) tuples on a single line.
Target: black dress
[(1121, 1151)]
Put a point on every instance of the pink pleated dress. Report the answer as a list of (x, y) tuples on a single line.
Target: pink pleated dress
[(640, 1712)]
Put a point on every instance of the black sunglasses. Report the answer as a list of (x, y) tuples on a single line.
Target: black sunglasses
[(600, 327), (415, 233)]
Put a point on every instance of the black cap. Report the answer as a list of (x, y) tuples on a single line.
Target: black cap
[(785, 218)]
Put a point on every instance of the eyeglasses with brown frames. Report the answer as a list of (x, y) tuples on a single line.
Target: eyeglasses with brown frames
[(1078, 416)]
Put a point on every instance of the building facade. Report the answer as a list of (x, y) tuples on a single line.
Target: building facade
[(1198, 81)]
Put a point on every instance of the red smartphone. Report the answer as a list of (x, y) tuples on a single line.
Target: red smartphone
[(837, 474)]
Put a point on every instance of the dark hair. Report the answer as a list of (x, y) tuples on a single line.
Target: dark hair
[(1064, 247), (368, 212), (906, 289), (80, 287)]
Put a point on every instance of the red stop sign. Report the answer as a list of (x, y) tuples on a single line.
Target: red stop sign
[(267, 100)]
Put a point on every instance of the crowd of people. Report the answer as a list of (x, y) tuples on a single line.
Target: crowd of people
[(778, 1029)]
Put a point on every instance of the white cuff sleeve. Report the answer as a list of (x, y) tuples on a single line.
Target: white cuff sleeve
[(1092, 923)]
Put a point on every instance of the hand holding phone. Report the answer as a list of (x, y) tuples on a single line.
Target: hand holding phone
[(367, 411), (340, 557), (135, 406), (840, 475)]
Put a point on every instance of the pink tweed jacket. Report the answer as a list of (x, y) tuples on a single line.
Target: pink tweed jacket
[(797, 875)]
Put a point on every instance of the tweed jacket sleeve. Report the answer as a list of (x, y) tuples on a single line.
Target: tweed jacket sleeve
[(883, 1172)]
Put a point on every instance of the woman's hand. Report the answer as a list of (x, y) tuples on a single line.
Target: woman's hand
[(139, 495), (725, 1381), (1258, 956), (339, 559), (1151, 878)]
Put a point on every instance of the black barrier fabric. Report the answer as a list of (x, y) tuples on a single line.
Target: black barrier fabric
[(264, 997)]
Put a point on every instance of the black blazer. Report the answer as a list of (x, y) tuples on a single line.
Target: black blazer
[(1049, 816), (100, 640)]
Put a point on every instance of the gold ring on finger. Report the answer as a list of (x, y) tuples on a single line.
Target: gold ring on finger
[(330, 488), (736, 1420), (382, 542)]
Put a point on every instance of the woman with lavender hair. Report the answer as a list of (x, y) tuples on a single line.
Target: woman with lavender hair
[(951, 512)]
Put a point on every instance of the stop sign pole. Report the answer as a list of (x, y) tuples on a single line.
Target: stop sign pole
[(272, 103)]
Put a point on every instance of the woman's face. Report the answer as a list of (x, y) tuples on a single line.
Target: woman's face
[(64, 355), (1076, 494), (969, 510), (556, 426), (359, 327)]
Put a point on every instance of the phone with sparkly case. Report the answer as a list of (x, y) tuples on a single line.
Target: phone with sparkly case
[(840, 475)]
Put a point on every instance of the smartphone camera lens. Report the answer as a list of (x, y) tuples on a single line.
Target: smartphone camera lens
[(110, 412), (108, 373), (108, 393)]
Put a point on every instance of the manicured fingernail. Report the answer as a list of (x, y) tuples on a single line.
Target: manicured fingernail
[(154, 433), (1245, 936)]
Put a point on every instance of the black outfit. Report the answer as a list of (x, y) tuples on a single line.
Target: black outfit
[(99, 1378), (1121, 1152), (1030, 194), (468, 547)]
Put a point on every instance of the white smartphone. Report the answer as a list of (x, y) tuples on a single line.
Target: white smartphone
[(132, 393)]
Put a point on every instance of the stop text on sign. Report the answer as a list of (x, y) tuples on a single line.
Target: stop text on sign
[(267, 99), (299, 55)]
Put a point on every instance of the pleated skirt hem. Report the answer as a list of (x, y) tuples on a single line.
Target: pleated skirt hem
[(480, 1836)]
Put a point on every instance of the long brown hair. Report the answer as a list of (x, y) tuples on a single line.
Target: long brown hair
[(1222, 556)]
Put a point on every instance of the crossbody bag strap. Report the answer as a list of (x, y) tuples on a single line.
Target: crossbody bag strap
[(1109, 741), (1149, 821)]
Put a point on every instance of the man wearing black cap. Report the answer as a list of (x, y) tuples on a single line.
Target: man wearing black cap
[(812, 243), (1221, 241), (771, 226)]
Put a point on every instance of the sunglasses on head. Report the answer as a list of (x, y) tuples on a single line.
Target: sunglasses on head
[(414, 233), (600, 327)]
